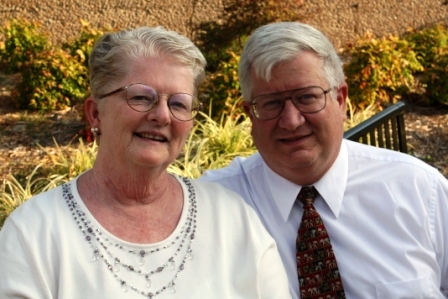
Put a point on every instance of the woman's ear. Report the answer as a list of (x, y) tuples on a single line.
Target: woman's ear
[(92, 113)]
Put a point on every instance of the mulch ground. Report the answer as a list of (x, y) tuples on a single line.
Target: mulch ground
[(427, 134)]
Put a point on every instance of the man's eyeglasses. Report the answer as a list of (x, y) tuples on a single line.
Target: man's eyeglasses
[(310, 99), (143, 98)]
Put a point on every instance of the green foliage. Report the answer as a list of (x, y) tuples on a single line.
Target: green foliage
[(436, 80), (428, 43), (221, 89), (81, 47), (64, 165), (69, 164), (214, 144), (13, 194), (380, 70), (22, 40), (355, 116), (52, 80), (431, 46)]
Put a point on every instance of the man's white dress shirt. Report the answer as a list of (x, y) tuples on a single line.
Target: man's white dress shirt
[(386, 214)]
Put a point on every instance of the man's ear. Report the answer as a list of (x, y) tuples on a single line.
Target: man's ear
[(246, 107), (92, 113), (341, 97)]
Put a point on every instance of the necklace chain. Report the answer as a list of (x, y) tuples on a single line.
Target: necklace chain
[(102, 246)]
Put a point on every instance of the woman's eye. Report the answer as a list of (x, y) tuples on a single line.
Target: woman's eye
[(143, 98), (178, 105), (139, 98)]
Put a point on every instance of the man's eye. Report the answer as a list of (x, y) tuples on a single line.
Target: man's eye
[(306, 98), (272, 104)]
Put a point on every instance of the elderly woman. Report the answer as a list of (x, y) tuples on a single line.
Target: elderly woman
[(127, 228)]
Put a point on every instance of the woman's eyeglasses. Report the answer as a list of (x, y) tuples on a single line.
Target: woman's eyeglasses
[(143, 98)]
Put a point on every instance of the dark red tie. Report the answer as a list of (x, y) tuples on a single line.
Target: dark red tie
[(316, 263)]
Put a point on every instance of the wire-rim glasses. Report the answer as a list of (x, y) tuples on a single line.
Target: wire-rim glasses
[(143, 98), (311, 99)]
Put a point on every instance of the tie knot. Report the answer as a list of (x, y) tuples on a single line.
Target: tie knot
[(307, 195)]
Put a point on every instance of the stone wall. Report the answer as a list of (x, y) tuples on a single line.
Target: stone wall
[(62, 17), (342, 20)]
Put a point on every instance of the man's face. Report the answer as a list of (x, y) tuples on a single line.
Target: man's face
[(298, 146)]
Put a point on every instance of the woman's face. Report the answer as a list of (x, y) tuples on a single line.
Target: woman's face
[(150, 139)]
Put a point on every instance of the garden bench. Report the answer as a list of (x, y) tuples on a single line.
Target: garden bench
[(385, 129)]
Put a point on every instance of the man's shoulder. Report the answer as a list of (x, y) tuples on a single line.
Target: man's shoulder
[(240, 166), (362, 153), (241, 175)]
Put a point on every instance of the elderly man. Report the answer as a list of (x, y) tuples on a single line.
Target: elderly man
[(374, 221)]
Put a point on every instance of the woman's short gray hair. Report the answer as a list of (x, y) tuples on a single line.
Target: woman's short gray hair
[(274, 43), (112, 52)]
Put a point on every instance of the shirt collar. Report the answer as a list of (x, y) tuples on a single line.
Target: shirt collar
[(331, 186), (283, 192)]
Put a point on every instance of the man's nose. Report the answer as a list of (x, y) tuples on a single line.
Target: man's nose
[(291, 117)]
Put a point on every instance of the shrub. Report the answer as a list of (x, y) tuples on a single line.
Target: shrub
[(427, 44), (221, 88), (436, 80), (431, 47), (379, 71), (52, 80), (81, 47), (23, 40)]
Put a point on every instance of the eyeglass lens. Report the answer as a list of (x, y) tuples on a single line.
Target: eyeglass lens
[(143, 98)]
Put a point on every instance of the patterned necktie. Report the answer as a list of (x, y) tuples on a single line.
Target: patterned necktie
[(316, 263)]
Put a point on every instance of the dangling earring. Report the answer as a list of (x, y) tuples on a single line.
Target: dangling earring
[(95, 131)]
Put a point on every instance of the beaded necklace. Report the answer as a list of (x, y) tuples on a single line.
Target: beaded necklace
[(102, 248)]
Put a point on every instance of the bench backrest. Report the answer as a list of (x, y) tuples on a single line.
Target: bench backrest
[(385, 129)]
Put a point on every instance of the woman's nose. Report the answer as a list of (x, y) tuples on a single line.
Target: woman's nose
[(161, 111)]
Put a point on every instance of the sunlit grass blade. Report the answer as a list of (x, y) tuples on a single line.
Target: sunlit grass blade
[(13, 193)]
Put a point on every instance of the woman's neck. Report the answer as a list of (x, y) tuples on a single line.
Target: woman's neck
[(132, 207)]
